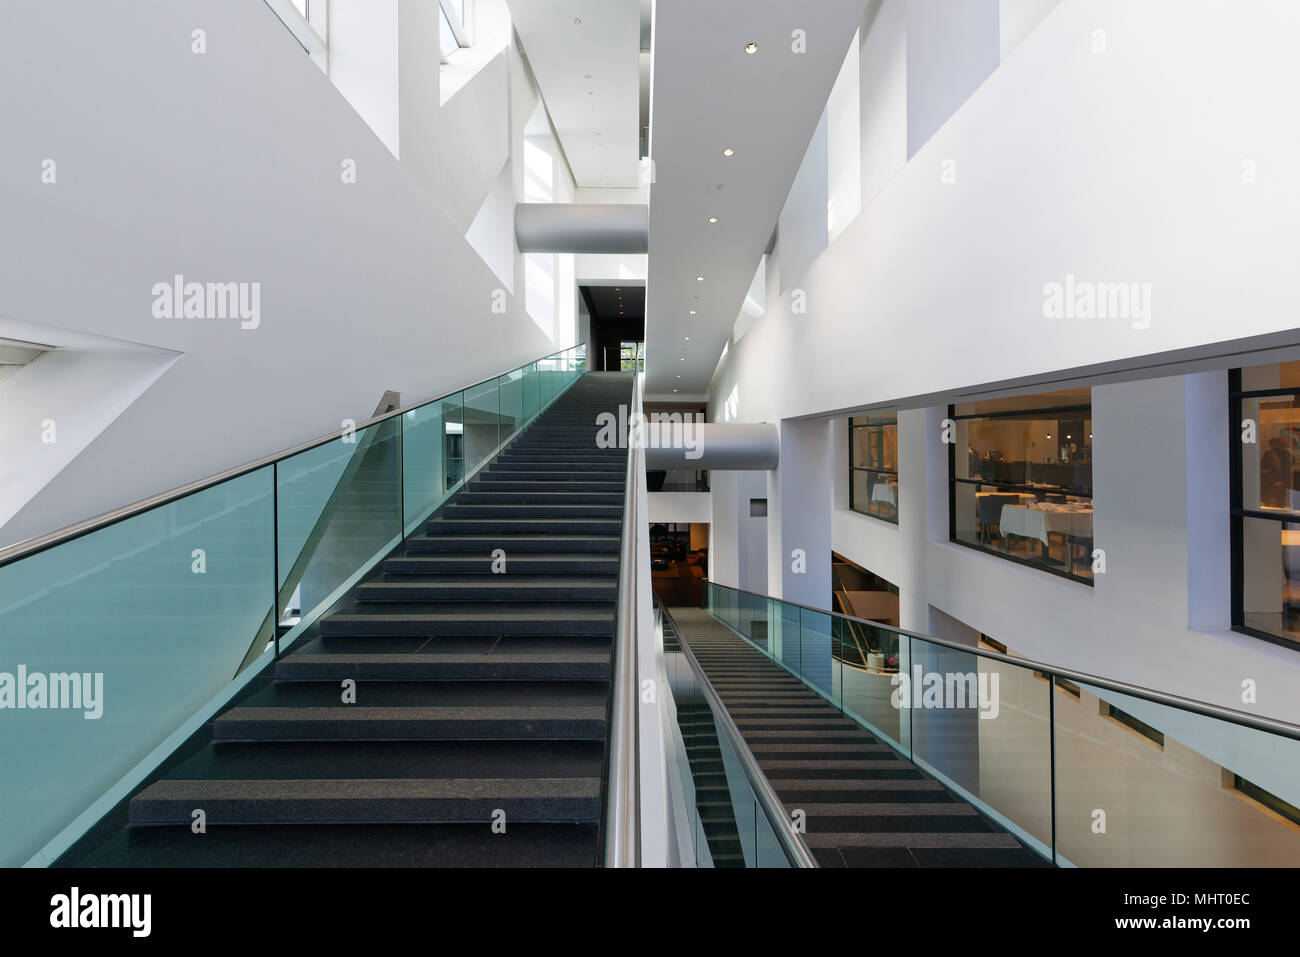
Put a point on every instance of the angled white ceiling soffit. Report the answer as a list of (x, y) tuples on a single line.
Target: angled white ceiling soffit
[(585, 55), (710, 95), (55, 405)]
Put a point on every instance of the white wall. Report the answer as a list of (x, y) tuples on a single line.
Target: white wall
[(693, 508), (226, 166), (951, 49), (802, 228), (932, 274), (882, 95), (363, 63), (843, 146), (1017, 19), (738, 540)]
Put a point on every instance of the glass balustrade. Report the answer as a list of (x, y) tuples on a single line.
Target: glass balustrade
[(116, 640), (721, 818), (1087, 774)]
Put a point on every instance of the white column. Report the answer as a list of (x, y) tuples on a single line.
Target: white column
[(799, 503)]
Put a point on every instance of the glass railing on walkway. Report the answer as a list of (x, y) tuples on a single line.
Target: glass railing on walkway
[(121, 635), (1088, 771), (725, 811)]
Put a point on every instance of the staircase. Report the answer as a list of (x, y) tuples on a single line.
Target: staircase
[(865, 806), (480, 650)]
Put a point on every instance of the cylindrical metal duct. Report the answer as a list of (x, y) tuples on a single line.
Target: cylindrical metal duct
[(711, 445), (582, 228)]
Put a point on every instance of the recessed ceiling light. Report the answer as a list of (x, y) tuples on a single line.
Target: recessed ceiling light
[(713, 219), (679, 377), (750, 48), (577, 21), (618, 288), (692, 312), (699, 279), (674, 390), (728, 152), (687, 338), (683, 359)]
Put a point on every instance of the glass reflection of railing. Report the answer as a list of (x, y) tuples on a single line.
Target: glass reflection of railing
[(731, 816), (1086, 770), (147, 619)]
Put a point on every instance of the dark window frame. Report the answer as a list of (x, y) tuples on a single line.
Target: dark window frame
[(1135, 724), (873, 471), (954, 481), (1239, 514), (1264, 798)]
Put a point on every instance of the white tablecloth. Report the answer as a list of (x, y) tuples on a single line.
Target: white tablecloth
[(1039, 522), (885, 493)]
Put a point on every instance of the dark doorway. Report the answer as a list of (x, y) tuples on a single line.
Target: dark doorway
[(617, 323)]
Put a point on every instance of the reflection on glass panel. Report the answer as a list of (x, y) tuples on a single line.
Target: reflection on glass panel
[(337, 505), (481, 429), (1177, 789), (767, 846), (820, 667), (512, 402), (530, 384), (432, 447), (1270, 586), (984, 726), (1051, 451), (783, 635), (869, 668), (1022, 485), (629, 358), (1267, 565), (1269, 466), (131, 629), (875, 442), (873, 463), (875, 493), (1278, 375)]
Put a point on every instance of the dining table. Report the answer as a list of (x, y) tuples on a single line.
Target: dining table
[(1042, 519)]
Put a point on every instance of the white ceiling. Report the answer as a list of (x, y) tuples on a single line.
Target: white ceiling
[(708, 95), (589, 74)]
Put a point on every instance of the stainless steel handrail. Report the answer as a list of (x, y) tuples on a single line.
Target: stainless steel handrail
[(622, 825), (796, 850), (1203, 708), (43, 542)]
